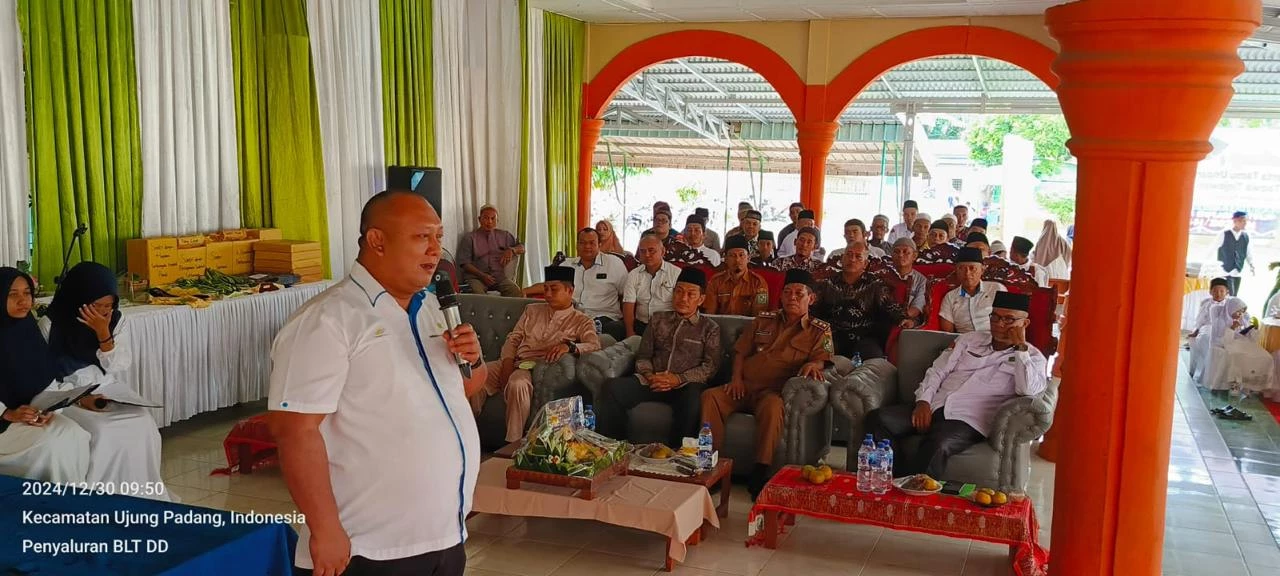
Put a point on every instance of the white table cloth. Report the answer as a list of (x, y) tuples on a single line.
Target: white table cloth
[(198, 360)]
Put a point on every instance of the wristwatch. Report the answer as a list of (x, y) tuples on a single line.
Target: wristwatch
[(478, 363), (573, 348)]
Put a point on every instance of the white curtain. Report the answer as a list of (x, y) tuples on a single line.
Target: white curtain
[(476, 53), (14, 186), (190, 180), (536, 221), (346, 56)]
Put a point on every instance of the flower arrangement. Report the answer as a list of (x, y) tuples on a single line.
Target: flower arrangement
[(559, 444)]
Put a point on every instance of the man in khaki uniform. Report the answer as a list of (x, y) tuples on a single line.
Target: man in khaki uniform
[(776, 347), (737, 291)]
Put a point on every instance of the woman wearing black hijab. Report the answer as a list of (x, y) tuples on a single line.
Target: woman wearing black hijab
[(89, 341), (32, 444)]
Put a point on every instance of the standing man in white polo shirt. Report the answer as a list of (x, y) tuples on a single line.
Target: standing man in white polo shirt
[(376, 438), (649, 286)]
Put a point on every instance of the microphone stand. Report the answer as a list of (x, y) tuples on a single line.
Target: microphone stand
[(66, 259)]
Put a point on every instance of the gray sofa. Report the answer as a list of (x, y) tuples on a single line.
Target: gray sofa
[(493, 318), (1003, 461), (806, 433)]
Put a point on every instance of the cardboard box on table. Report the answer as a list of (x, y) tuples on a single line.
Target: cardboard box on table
[(264, 234), (192, 262), (154, 260), (299, 257), (221, 256)]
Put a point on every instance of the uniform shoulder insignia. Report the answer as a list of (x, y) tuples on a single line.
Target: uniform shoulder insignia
[(768, 314), (820, 324)]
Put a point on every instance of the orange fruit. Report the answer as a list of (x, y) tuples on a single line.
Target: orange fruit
[(982, 498), (999, 498)]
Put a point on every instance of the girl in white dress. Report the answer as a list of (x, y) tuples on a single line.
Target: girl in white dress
[(33, 444), (89, 338)]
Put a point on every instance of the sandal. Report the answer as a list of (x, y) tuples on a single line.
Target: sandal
[(1222, 410), (1237, 415)]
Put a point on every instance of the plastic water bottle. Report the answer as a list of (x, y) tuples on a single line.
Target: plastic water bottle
[(704, 447), (588, 418), (885, 473), (865, 477), (857, 359)]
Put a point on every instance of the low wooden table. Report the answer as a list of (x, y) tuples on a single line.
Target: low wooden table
[(788, 494), (678, 511), (718, 475)]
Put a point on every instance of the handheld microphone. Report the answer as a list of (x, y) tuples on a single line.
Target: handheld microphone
[(452, 317)]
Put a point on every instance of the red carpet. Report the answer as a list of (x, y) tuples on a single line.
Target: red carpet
[(1274, 408)]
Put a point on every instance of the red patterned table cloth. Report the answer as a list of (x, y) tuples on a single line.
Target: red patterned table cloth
[(788, 493)]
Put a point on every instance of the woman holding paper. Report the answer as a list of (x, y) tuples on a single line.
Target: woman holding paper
[(33, 444), (89, 339)]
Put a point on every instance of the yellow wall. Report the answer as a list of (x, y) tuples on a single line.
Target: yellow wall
[(817, 50)]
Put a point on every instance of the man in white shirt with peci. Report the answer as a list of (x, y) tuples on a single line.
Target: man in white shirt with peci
[(957, 402), (369, 408)]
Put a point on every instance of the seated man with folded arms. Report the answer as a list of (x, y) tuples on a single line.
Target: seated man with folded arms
[(967, 307), (957, 402), (484, 253), (778, 346), (736, 290), (859, 307), (545, 332), (679, 352)]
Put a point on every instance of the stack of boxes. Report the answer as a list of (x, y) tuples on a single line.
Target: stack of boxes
[(298, 257), (163, 261)]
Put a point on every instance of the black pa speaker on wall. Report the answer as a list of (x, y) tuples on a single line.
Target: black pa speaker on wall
[(420, 179)]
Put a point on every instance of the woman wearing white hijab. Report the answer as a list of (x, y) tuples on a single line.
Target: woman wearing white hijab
[(1236, 360), (1053, 252)]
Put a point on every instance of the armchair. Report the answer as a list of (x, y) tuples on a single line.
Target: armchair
[(1003, 460)]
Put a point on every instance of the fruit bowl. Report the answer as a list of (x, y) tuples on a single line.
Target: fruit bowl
[(655, 454), (917, 485)]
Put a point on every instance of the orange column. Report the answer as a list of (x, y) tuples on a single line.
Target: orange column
[(591, 128), (1143, 85), (815, 139)]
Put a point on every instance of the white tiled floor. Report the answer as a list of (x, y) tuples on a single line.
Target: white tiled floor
[(1214, 526)]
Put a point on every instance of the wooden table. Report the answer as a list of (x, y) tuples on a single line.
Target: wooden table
[(788, 494), (678, 511), (721, 475)]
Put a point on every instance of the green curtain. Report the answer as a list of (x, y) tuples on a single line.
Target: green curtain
[(525, 118), (564, 57), (82, 129), (408, 101), (278, 124)]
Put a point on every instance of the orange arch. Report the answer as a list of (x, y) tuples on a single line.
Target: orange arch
[(1004, 45), (715, 44)]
